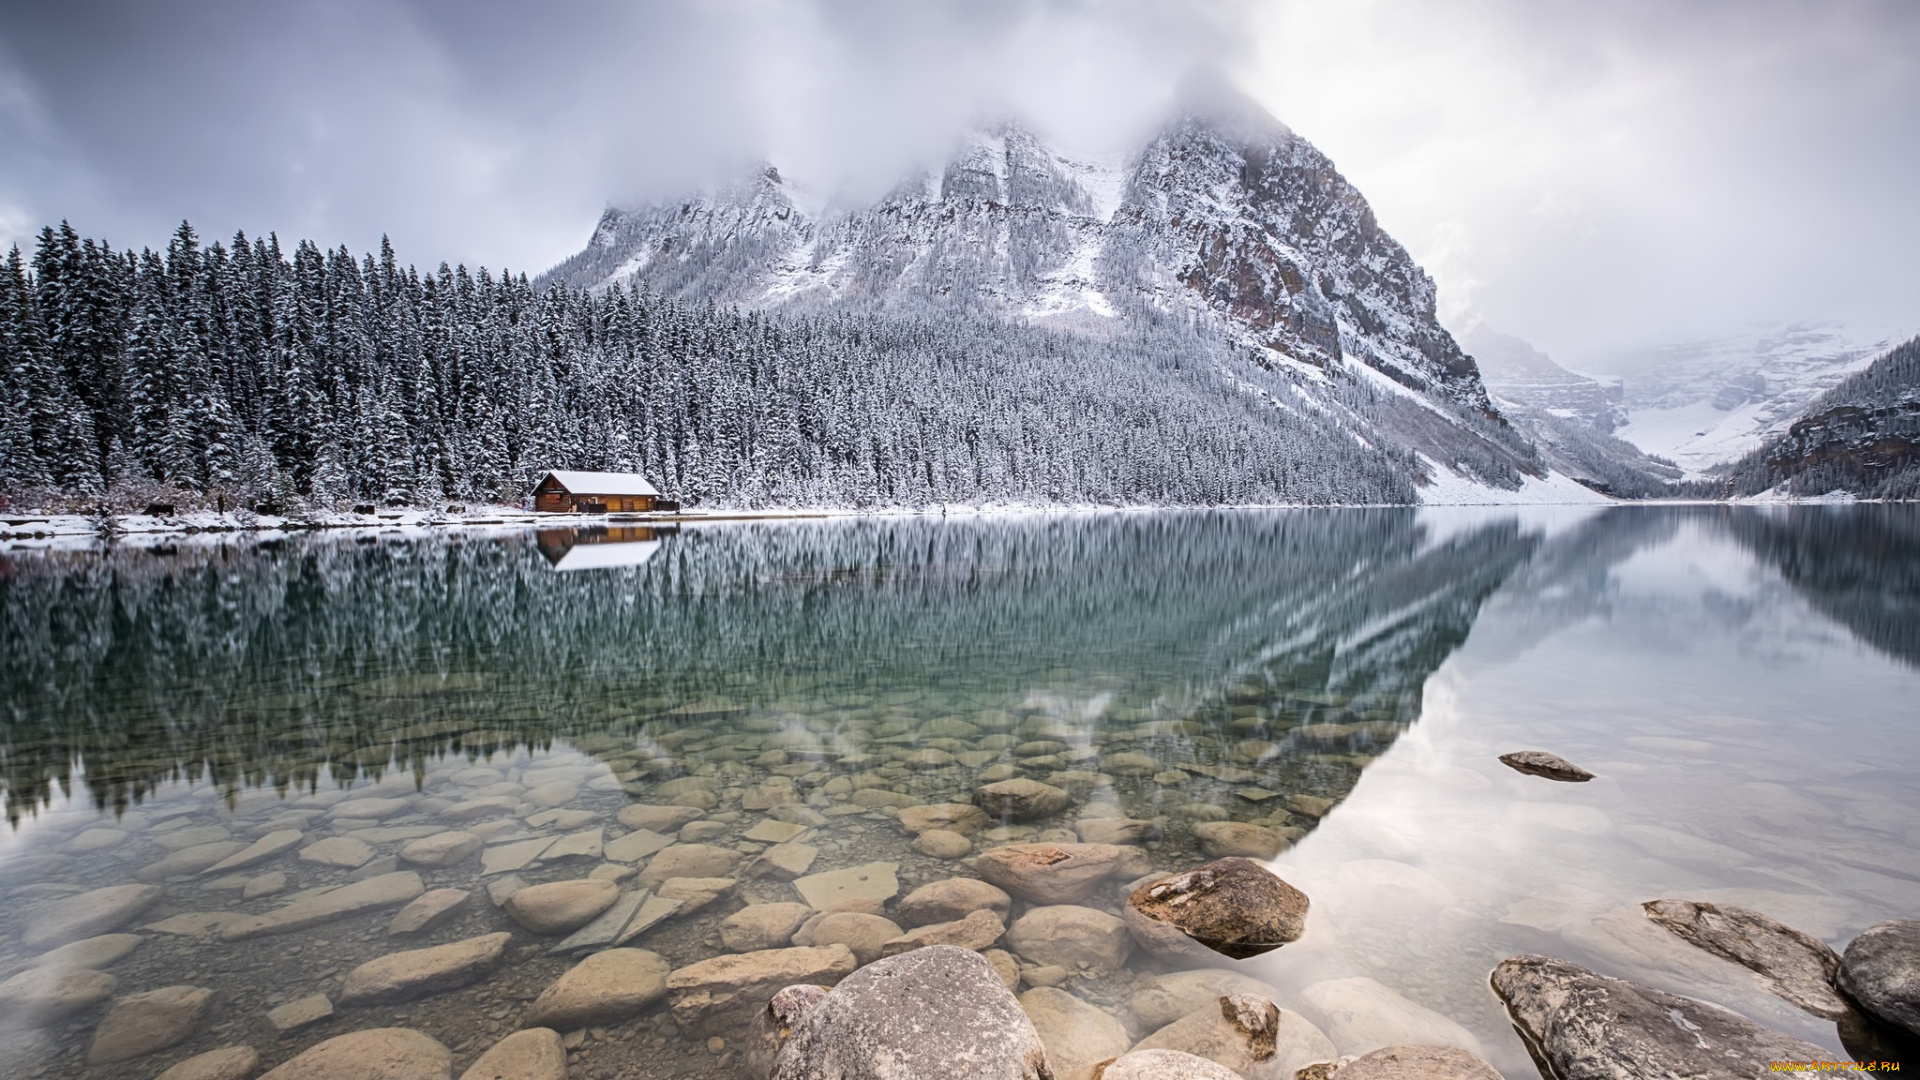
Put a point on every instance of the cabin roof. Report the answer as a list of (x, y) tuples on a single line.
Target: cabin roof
[(602, 483)]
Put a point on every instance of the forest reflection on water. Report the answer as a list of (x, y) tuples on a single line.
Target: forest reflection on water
[(1739, 677)]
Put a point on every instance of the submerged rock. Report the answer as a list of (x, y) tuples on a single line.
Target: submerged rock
[(1021, 800), (1233, 906), (774, 1025), (88, 914), (976, 931), (857, 888), (1417, 1063), (1161, 1000), (558, 907), (714, 995), (1586, 1026), (1541, 763), (950, 899), (1164, 1065), (43, 995), (1069, 936), (938, 1013), (384, 891), (763, 926), (1881, 973), (1248, 1034), (604, 988), (532, 1054), (1056, 873), (1077, 1036), (865, 934), (375, 1054), (1361, 1014), (1797, 966), (148, 1023), (403, 976), (1241, 839), (227, 1063)]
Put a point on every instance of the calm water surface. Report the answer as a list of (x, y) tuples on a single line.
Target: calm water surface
[(1742, 681)]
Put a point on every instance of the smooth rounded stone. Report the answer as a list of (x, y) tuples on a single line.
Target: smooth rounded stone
[(993, 774), (373, 894), (1361, 1015), (962, 818), (657, 819), (91, 953), (1117, 830), (1880, 971), (300, 1012), (700, 831), (1238, 839), (1161, 1000), (927, 759), (713, 996), (142, 1024), (88, 914), (763, 926), (1165, 1065), (941, 844), (1078, 1037), (43, 995), (976, 931), (227, 1063), (866, 888), (416, 973), (1234, 906), (694, 893), (951, 899), (530, 1054), (97, 840), (192, 836), (428, 911), (560, 907), (1586, 1026), (1162, 940), (1541, 763), (440, 850), (1021, 799), (1056, 873), (1418, 1063), (373, 807), (259, 851), (606, 987), (189, 861), (375, 1054), (1796, 966), (939, 1013), (267, 884), (477, 809), (1248, 1034), (688, 860), (1073, 937), (863, 933), (338, 851)]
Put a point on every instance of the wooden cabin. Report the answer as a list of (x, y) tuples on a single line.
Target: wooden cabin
[(566, 492)]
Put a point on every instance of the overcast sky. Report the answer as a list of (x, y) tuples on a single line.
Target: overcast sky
[(1584, 175)]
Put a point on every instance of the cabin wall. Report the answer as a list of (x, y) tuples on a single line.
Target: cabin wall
[(563, 502)]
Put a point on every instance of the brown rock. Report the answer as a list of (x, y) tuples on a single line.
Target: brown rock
[(415, 973), (428, 911), (694, 893), (1418, 1063), (961, 818), (1249, 1035), (148, 1023), (941, 844), (375, 1054), (658, 819), (1055, 873), (1798, 967), (865, 934), (1228, 839), (1234, 906), (1551, 766), (228, 1063), (688, 860), (976, 931), (605, 987), (559, 907), (43, 995), (440, 850), (532, 1054), (1166, 1065), (763, 926), (950, 899), (716, 994), (1021, 800), (1072, 937), (1078, 1037)]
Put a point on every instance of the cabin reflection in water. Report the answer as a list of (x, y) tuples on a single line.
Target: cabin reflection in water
[(601, 547)]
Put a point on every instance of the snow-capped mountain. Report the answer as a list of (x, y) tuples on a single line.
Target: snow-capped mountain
[(1860, 438), (1226, 219), (1516, 371), (1706, 402)]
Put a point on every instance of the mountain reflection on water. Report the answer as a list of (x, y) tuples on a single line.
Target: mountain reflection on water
[(261, 664)]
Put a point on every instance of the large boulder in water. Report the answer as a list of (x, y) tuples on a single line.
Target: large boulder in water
[(938, 1013), (1881, 973), (1797, 966), (1586, 1026), (1234, 906)]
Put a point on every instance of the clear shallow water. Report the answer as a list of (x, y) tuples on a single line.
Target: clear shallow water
[(1743, 681)]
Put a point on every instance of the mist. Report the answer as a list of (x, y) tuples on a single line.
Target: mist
[(1583, 176)]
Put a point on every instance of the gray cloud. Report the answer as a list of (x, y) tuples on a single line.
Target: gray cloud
[(1582, 174)]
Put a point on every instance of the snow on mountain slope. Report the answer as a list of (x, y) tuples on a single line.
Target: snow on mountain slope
[(1706, 402)]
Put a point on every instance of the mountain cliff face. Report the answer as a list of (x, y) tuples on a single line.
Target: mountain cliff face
[(1226, 220), (1860, 438)]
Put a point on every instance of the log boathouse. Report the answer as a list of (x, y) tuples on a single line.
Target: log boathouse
[(566, 492)]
